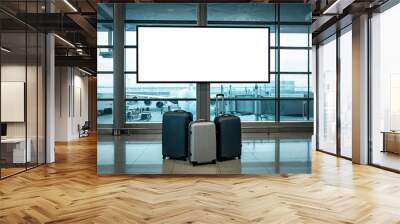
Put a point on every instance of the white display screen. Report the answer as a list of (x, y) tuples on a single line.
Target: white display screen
[(202, 54)]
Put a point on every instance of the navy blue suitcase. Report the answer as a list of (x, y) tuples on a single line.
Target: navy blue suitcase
[(175, 134), (229, 136)]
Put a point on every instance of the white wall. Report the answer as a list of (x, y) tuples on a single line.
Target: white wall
[(71, 102), (80, 111)]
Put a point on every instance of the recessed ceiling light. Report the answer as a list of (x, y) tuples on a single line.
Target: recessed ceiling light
[(333, 6), (70, 5), (337, 7), (5, 50), (84, 71), (64, 40)]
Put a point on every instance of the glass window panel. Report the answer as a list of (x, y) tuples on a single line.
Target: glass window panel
[(311, 109), (251, 110), (262, 109), (155, 90), (272, 58), (105, 60), (385, 85), (294, 60), (130, 59), (161, 11), (256, 12), (130, 34), (105, 34), (105, 86), (327, 96), (105, 112), (294, 85), (293, 110), (294, 36), (152, 110), (346, 94), (294, 40), (244, 90), (293, 12), (272, 41)]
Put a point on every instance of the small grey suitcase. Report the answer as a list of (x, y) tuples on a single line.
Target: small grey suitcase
[(202, 143)]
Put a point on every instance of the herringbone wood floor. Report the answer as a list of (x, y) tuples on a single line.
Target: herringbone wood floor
[(69, 191)]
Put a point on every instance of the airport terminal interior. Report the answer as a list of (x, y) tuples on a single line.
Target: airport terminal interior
[(288, 98), (83, 137)]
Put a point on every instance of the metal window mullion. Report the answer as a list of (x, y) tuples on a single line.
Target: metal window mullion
[(316, 116), (277, 64), (45, 91), (369, 96), (338, 73), (37, 91), (26, 87), (308, 75)]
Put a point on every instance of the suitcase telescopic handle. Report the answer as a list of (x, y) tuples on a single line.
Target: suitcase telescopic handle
[(217, 112), (179, 110)]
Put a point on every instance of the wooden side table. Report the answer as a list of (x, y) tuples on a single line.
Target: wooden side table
[(391, 141)]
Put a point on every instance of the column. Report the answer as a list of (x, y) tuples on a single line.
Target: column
[(119, 77), (203, 89), (360, 90), (50, 92)]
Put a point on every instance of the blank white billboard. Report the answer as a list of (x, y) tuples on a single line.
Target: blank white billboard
[(202, 54)]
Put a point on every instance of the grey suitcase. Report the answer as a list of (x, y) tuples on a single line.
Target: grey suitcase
[(202, 143)]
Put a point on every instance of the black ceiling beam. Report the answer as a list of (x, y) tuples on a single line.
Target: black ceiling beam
[(8, 24), (49, 22), (78, 61)]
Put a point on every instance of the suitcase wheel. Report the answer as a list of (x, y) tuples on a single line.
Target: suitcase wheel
[(163, 157), (239, 156), (194, 163), (214, 161)]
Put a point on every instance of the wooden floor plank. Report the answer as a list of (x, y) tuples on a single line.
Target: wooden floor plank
[(70, 191)]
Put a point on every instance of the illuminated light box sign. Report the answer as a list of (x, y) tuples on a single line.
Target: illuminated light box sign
[(203, 54)]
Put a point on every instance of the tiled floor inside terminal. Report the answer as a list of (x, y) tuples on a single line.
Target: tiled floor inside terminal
[(261, 154)]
